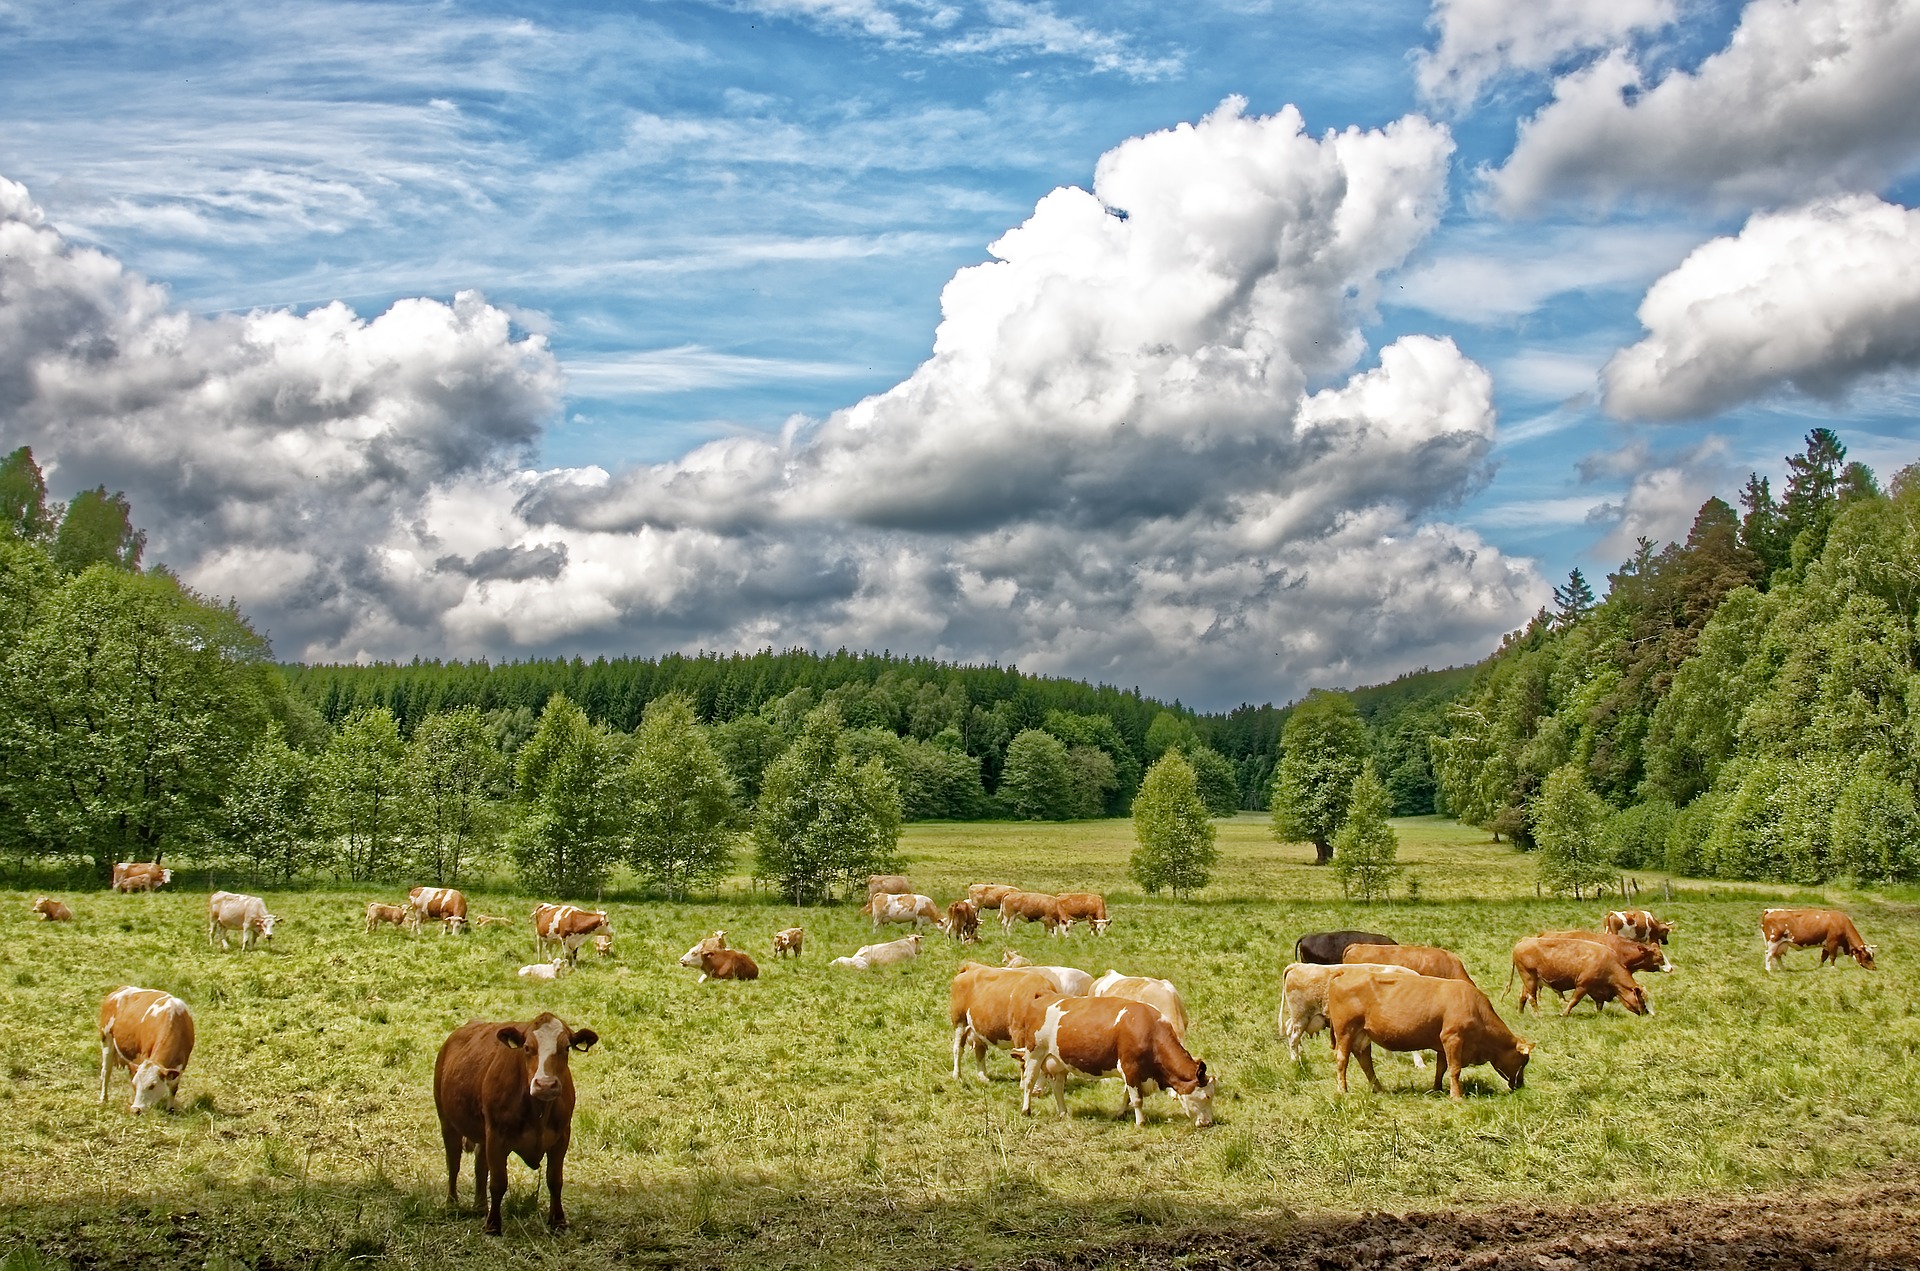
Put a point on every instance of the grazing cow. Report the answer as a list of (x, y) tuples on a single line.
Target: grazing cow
[(1329, 948), (1831, 930), (788, 941), (988, 895), (140, 876), (603, 944), (1104, 1035), (1303, 1000), (566, 927), (1159, 994), (504, 1089), (547, 970), (868, 956), (1635, 955), (492, 920), (51, 910), (983, 1004), (717, 962), (885, 907), (1420, 1013), (963, 922), (150, 1034), (1033, 906), (1578, 968), (1427, 959), (231, 911), (405, 917), (441, 904), (1077, 906), (1071, 981), (888, 885), (1638, 924)]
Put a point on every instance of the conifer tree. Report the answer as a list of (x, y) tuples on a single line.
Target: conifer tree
[(1366, 851)]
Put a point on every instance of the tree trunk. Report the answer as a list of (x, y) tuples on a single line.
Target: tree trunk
[(1322, 851)]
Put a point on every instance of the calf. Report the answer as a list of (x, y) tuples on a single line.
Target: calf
[(868, 956), (51, 910), (788, 941), (1303, 999), (547, 970), (1104, 1035), (1578, 968), (492, 920), (442, 904), (566, 927), (1033, 906), (884, 907), (1078, 906), (504, 1089), (988, 895), (1427, 959), (1634, 955), (1328, 948), (717, 962), (150, 1034), (963, 922), (603, 944), (983, 1004), (1830, 929), (1637, 924), (888, 885), (140, 876), (1420, 1013), (405, 917), (1159, 994), (1071, 981), (231, 911)]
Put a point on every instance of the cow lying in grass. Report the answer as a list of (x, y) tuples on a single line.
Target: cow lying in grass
[(868, 956), (717, 962)]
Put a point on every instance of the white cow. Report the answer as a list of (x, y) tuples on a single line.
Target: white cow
[(231, 911), (1071, 981), (1159, 994), (915, 908), (547, 970), (1303, 1000), (873, 955)]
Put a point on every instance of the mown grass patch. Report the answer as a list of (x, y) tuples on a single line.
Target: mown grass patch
[(809, 1118)]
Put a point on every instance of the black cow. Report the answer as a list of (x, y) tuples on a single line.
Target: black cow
[(1326, 948)]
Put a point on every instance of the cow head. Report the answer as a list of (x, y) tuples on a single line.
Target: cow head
[(915, 938), (154, 1086), (264, 924), (545, 1043), (603, 945), (1198, 1102), (697, 955), (456, 925), (1864, 955), (1634, 998), (1100, 925), (1513, 1064)]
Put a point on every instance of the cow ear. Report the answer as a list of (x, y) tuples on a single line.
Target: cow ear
[(1200, 1072), (510, 1035), (583, 1040), (1525, 1048), (171, 1075)]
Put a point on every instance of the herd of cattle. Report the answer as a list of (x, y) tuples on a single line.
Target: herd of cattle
[(505, 1088)]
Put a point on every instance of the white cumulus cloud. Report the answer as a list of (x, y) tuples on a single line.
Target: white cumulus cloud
[(1481, 39)]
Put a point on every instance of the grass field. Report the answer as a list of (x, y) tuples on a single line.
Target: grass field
[(809, 1119)]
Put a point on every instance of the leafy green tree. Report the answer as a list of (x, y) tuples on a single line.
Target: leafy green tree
[(682, 801), (1876, 829), (1175, 839), (269, 813), (1037, 783), (360, 795), (1321, 752), (1573, 601), (23, 498), (1093, 780), (1567, 824), (1219, 784), (823, 819), (747, 744), (1366, 851), (1100, 732), (98, 530), (1636, 837), (453, 777), (568, 787), (1168, 731)]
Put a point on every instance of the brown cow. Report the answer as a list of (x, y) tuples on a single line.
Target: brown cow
[(983, 1004), (888, 884), (1104, 1035), (1076, 906), (51, 910), (963, 922), (1635, 955), (1578, 968), (1402, 1013), (140, 876), (504, 1089), (1830, 929), (717, 962), (150, 1034), (988, 895), (406, 917), (1427, 959), (788, 941), (1033, 906), (566, 927), (441, 904), (1638, 924)]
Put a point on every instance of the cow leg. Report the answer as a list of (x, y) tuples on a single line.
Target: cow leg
[(960, 1038), (1341, 1049), (1573, 999), (451, 1138), (1452, 1045), (1366, 1064), (1059, 1075), (1774, 950), (495, 1150), (556, 1216), (1029, 1078), (106, 1065), (1138, 1103)]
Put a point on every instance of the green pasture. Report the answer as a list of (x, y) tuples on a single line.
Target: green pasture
[(810, 1119)]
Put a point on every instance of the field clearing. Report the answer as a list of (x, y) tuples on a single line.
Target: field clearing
[(810, 1119)]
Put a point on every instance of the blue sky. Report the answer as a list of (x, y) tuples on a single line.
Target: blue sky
[(706, 234)]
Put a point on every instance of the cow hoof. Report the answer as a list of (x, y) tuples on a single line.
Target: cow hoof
[(490, 1228), (558, 1224)]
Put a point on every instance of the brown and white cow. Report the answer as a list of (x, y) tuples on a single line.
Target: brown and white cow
[(1427, 959), (983, 1003), (566, 927), (962, 922), (911, 907), (1421, 1013), (150, 1034), (1829, 929), (888, 885), (504, 1089), (1303, 1000), (1084, 906), (405, 917), (1159, 994), (1638, 924), (140, 876), (1104, 1035), (1033, 906), (988, 895), (231, 911), (717, 962), (789, 940), (51, 910), (1635, 955), (1071, 981), (443, 905), (1577, 968), (868, 956)]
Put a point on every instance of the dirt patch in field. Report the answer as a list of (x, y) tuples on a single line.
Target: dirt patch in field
[(1871, 1227)]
